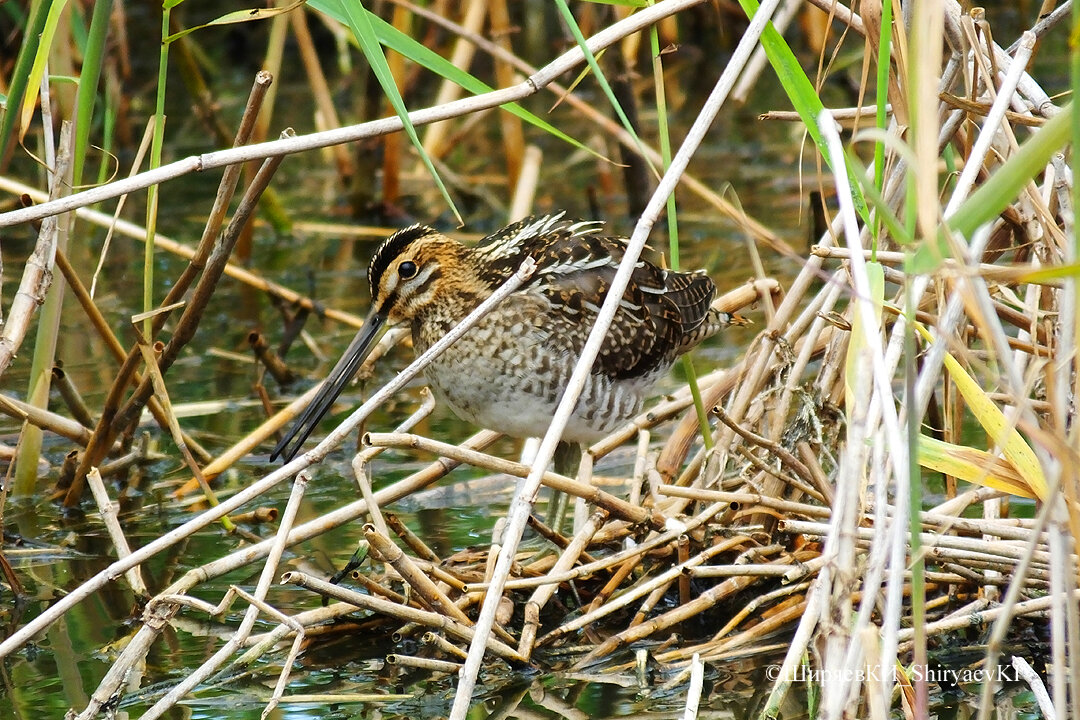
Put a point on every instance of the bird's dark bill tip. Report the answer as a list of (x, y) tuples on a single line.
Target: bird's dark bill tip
[(335, 382), (279, 451)]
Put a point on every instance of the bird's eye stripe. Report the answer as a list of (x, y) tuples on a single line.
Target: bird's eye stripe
[(430, 275)]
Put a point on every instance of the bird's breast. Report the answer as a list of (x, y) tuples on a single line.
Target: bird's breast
[(509, 371)]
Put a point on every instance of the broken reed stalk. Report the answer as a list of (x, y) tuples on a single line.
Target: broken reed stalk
[(427, 591), (414, 543), (266, 577), (36, 287), (418, 663), (590, 493), (540, 597), (400, 612), (117, 417), (60, 425), (742, 500), (269, 359), (442, 645), (138, 232), (108, 510), (101, 440), (71, 396)]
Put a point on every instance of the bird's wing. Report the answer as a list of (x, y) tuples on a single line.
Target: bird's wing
[(657, 314)]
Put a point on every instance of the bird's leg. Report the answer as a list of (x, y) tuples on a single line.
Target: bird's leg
[(567, 458)]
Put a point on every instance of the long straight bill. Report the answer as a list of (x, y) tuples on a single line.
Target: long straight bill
[(333, 385)]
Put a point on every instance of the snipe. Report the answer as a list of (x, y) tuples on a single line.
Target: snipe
[(509, 371)]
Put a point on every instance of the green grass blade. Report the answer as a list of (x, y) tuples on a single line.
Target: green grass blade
[(1000, 189), (881, 100), (359, 20), (803, 96), (427, 58), (37, 69), (673, 225), (595, 67), (20, 76), (152, 194), (665, 145), (108, 131), (238, 16), (88, 83), (77, 29), (1005, 185), (898, 233)]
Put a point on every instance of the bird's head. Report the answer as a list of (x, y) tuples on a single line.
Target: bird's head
[(412, 270), (409, 273)]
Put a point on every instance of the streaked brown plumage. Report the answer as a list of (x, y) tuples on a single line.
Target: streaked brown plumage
[(509, 371)]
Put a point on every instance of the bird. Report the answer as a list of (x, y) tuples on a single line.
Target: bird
[(508, 372)]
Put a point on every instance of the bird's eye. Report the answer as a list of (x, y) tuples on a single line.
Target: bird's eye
[(407, 269)]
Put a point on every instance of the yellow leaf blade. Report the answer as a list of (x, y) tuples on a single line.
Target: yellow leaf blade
[(973, 465)]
